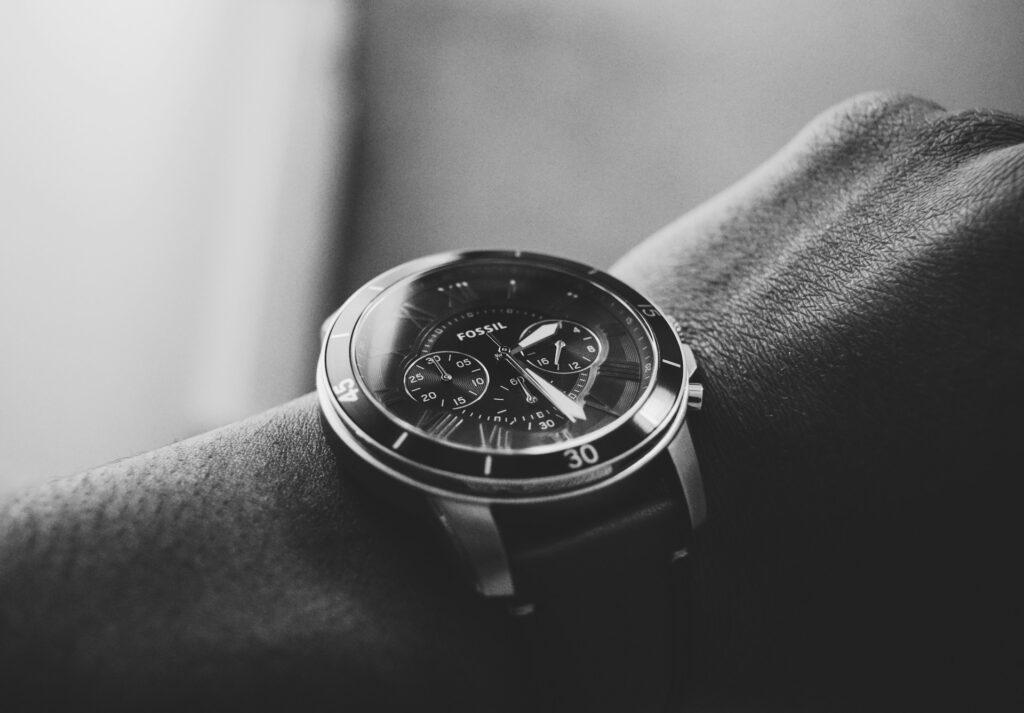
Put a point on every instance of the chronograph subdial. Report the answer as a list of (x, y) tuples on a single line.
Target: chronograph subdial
[(517, 403), (559, 346), (448, 379)]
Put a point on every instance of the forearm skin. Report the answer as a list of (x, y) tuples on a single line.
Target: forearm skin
[(237, 569)]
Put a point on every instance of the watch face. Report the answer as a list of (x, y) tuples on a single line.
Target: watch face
[(501, 373), (503, 355)]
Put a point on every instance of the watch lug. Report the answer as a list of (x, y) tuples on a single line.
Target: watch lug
[(473, 531), (689, 361), (684, 457), (327, 324)]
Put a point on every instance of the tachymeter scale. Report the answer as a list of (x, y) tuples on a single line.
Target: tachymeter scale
[(447, 379)]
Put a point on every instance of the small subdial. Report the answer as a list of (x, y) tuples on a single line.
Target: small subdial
[(516, 403), (448, 379), (560, 346)]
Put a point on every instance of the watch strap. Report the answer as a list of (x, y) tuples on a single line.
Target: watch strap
[(604, 593)]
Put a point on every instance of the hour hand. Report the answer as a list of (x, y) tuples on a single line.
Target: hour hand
[(559, 346)]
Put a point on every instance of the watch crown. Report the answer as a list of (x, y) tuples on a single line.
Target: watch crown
[(695, 396)]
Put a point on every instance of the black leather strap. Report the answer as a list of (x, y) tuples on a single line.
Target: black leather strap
[(609, 593)]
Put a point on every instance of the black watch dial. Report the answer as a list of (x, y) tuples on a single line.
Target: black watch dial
[(503, 355)]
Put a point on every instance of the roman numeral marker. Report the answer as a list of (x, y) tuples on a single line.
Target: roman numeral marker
[(599, 405), (442, 426), (391, 396), (496, 437), (623, 370), (614, 330), (562, 304), (458, 293), (420, 317)]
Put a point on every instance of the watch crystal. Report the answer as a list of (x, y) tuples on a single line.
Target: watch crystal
[(502, 355)]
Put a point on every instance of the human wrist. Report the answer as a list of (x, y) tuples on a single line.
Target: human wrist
[(242, 565), (855, 307)]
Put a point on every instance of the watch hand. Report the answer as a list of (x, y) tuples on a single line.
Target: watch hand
[(538, 335), (569, 408), (436, 361), (530, 398), (559, 346), (572, 410)]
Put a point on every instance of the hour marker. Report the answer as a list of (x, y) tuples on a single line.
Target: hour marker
[(487, 465), (511, 289), (339, 335), (400, 440), (497, 437), (444, 426), (614, 330), (561, 304), (419, 317), (592, 271), (670, 363), (458, 293), (375, 288), (392, 396), (599, 405), (383, 356), (624, 370)]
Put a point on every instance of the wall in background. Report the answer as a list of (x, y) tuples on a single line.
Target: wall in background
[(583, 126), (167, 169)]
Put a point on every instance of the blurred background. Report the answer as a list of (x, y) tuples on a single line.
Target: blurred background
[(188, 187)]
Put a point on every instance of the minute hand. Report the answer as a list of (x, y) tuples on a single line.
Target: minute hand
[(569, 408), (545, 331)]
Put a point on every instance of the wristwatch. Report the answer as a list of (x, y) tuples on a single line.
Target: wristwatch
[(536, 409)]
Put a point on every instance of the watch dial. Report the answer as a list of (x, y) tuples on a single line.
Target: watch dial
[(503, 355)]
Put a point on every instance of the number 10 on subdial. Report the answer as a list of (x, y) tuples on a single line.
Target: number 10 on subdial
[(448, 379)]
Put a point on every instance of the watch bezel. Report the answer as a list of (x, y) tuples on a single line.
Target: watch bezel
[(446, 469)]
